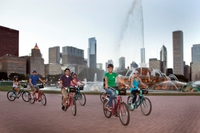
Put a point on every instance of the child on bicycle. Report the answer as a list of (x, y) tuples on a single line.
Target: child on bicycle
[(110, 84), (135, 81), (16, 84)]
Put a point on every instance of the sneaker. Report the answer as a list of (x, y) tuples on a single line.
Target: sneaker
[(132, 107), (64, 108), (117, 114), (39, 100)]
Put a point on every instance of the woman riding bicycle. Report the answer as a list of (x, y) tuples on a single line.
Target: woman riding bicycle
[(110, 84), (16, 85), (75, 81), (135, 81)]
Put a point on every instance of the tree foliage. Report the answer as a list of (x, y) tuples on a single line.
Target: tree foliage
[(3, 76)]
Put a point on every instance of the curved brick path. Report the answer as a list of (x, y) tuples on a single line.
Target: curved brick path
[(170, 114)]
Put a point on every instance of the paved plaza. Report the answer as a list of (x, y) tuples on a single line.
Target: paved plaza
[(170, 114)]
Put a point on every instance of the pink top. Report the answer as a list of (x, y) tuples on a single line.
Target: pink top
[(74, 83)]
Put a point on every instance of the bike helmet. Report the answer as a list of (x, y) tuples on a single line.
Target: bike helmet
[(34, 71), (15, 77), (110, 65)]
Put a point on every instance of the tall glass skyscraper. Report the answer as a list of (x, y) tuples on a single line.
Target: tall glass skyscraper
[(163, 59), (178, 64), (195, 65), (142, 56), (92, 53), (122, 63)]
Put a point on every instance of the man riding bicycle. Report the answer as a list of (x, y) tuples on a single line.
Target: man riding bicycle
[(110, 84), (65, 81), (33, 82)]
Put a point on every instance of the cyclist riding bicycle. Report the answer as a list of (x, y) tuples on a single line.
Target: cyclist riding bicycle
[(135, 81), (33, 82), (75, 81), (65, 81), (110, 84), (16, 84)]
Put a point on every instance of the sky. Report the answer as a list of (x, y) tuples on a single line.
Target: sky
[(116, 25)]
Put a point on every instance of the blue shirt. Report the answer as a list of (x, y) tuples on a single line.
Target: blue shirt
[(135, 84), (34, 79)]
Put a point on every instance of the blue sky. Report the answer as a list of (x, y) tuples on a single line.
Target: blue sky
[(71, 22)]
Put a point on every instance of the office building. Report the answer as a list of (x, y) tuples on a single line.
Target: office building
[(12, 64), (134, 64), (100, 66), (195, 64), (154, 63), (9, 42), (36, 62), (72, 55), (163, 59), (122, 63), (92, 52), (178, 65), (54, 55)]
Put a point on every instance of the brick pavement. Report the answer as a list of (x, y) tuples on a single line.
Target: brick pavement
[(170, 114)]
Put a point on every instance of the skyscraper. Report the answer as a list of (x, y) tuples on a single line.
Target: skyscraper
[(163, 59), (36, 62), (72, 55), (92, 55), (178, 65), (54, 55), (122, 63), (9, 41), (195, 65)]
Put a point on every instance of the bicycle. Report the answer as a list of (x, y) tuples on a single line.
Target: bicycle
[(34, 98), (118, 107), (71, 101), (80, 96), (142, 101), (11, 95)]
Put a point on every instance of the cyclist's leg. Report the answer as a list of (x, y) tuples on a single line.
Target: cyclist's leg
[(109, 91), (39, 94), (34, 91), (112, 96), (65, 96), (133, 92)]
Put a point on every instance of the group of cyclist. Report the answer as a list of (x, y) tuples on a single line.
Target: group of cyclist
[(70, 79)]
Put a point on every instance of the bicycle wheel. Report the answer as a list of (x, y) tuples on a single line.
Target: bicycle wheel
[(146, 106), (129, 103), (25, 96), (102, 96), (124, 114), (11, 95), (31, 98), (82, 99), (43, 99), (74, 110), (106, 112)]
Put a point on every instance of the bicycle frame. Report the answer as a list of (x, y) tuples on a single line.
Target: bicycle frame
[(70, 97), (116, 105)]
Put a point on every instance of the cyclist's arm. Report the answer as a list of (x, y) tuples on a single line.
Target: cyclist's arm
[(30, 81), (106, 82), (61, 84), (121, 81), (142, 83), (132, 82), (41, 80)]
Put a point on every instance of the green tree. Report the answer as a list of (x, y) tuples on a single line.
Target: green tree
[(20, 76), (3, 76)]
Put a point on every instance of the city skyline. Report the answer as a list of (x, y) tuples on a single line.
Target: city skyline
[(62, 24)]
